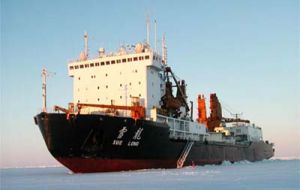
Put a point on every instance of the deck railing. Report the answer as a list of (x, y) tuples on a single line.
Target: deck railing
[(180, 129)]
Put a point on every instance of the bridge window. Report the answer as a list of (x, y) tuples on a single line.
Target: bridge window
[(97, 64), (129, 59), (102, 63), (119, 61), (107, 62), (123, 60), (147, 57), (135, 59), (113, 62), (71, 67)]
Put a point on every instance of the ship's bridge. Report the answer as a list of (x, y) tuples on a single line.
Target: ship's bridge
[(115, 78)]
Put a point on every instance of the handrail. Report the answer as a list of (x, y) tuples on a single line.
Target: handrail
[(137, 111)]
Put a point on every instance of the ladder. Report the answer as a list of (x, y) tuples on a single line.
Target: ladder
[(184, 154)]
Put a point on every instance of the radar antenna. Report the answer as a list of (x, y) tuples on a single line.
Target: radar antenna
[(236, 115)]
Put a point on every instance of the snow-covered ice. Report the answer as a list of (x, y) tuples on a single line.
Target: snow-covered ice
[(269, 174)]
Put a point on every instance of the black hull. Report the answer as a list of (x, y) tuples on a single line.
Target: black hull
[(96, 143)]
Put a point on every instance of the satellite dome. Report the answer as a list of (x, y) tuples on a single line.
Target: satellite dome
[(122, 51), (139, 48), (82, 56), (101, 52)]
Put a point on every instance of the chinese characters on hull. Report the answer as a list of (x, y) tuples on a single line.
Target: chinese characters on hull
[(135, 140)]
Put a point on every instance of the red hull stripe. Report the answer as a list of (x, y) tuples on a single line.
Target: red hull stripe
[(90, 165)]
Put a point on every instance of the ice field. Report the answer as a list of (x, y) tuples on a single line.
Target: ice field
[(268, 174)]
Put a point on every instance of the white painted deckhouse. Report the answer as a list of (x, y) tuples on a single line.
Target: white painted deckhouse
[(116, 78)]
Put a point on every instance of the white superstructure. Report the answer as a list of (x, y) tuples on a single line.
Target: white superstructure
[(246, 132), (127, 75), (117, 77)]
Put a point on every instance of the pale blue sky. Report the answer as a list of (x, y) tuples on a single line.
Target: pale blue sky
[(245, 51)]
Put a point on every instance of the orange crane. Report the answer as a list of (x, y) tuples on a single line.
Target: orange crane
[(202, 118), (214, 120)]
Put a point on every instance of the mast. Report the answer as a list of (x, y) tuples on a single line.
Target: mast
[(164, 49), (148, 30), (44, 89), (45, 74), (86, 45), (155, 40)]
